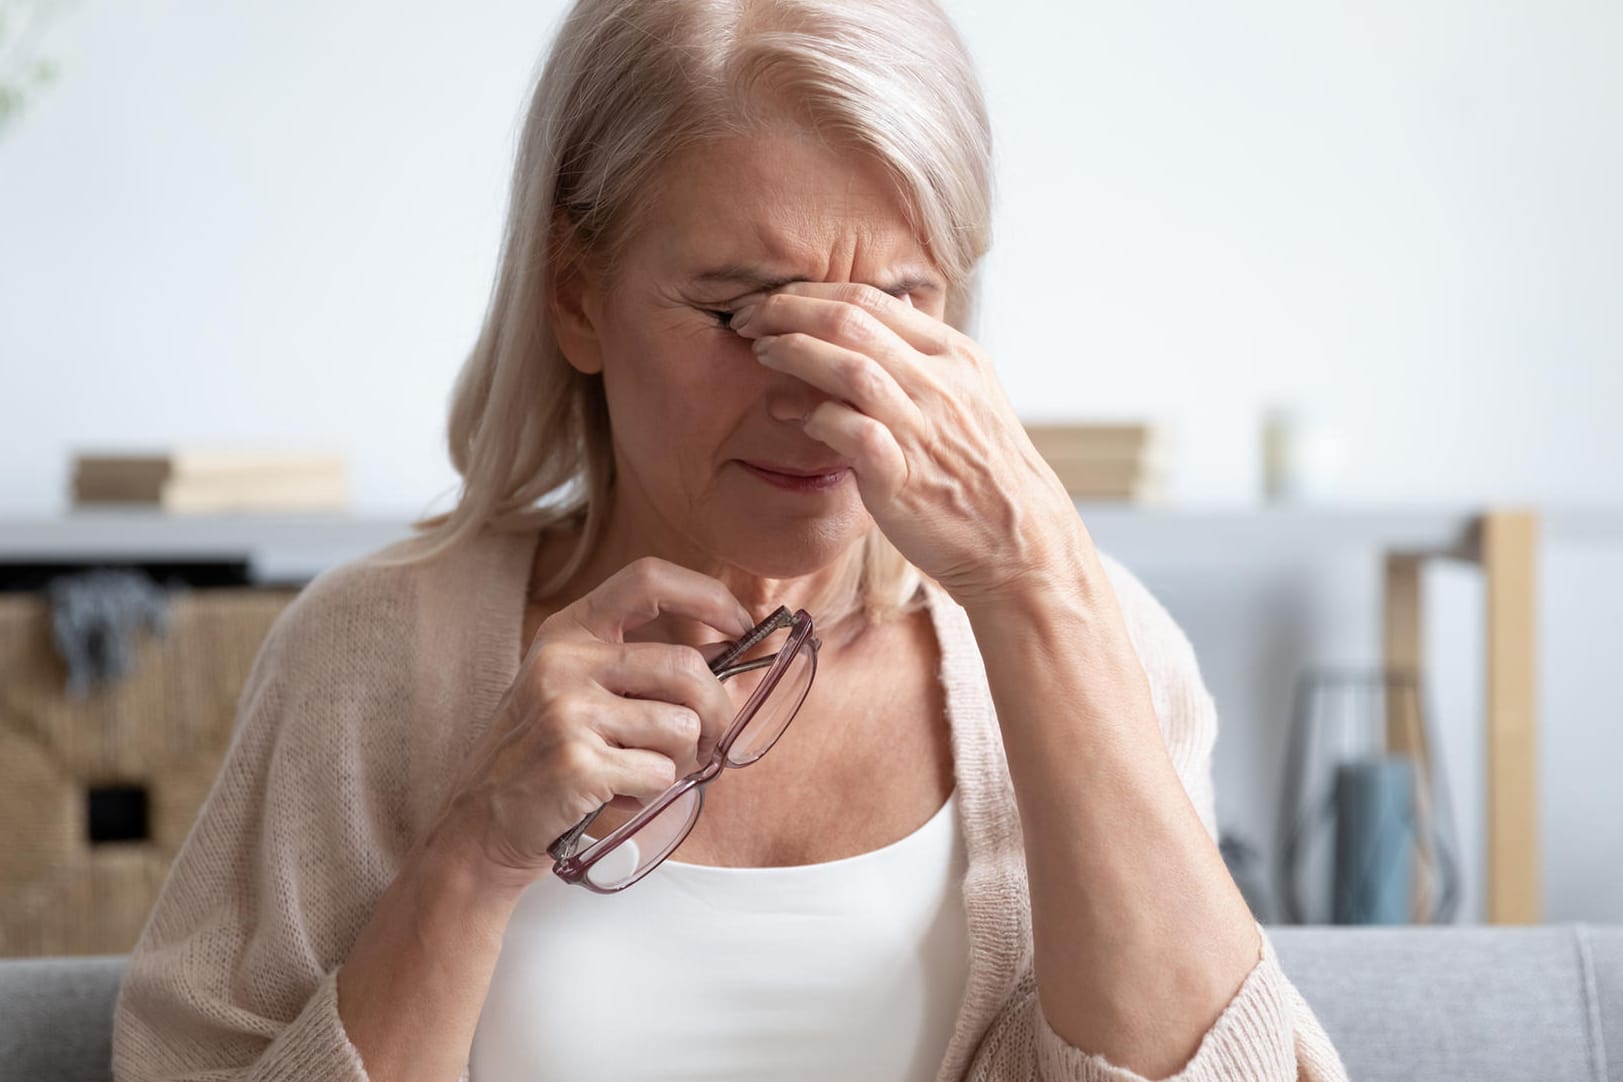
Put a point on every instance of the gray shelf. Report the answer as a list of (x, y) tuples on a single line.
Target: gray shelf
[(278, 548), (296, 547), (1268, 532)]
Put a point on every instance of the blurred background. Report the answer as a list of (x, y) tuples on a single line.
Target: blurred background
[(1353, 272)]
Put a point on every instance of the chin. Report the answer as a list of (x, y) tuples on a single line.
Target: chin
[(786, 549)]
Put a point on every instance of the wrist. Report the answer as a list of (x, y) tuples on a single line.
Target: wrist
[(1066, 595), (1072, 621), (1041, 621), (1042, 567), (453, 867)]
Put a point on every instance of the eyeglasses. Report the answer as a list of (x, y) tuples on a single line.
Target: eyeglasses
[(778, 659)]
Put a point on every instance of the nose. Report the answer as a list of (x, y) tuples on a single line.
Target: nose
[(791, 400)]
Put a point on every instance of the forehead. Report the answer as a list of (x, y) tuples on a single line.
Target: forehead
[(784, 200)]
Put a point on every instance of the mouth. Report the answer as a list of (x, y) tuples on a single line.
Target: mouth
[(799, 478)]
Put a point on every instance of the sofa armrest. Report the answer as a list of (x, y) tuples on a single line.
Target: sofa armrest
[(56, 1018)]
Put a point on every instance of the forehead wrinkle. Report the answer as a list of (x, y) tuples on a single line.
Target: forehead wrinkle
[(799, 223), (839, 249)]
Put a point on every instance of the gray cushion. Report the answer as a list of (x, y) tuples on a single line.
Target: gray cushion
[(1408, 1003), (56, 1018), (1472, 1003)]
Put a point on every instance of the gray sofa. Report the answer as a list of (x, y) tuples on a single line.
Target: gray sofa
[(1409, 1003)]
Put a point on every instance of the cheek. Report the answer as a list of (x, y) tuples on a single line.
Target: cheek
[(675, 395)]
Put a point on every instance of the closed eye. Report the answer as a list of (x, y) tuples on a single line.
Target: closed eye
[(725, 318)]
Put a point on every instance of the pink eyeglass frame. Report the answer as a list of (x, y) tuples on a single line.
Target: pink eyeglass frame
[(573, 867)]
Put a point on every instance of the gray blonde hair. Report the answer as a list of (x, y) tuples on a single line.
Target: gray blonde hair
[(627, 85)]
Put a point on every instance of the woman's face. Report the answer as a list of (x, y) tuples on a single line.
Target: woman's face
[(691, 409)]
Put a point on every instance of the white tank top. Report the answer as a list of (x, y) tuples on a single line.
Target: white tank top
[(851, 969)]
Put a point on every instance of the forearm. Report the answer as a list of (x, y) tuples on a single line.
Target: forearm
[(410, 993), (1141, 936)]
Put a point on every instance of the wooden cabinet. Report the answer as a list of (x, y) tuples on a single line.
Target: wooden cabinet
[(97, 793)]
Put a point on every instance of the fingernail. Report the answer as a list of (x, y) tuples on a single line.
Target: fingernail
[(742, 316), (762, 345)]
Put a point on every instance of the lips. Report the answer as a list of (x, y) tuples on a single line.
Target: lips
[(799, 471), (799, 478)]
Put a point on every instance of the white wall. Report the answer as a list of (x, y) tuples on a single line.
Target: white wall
[(277, 224), (1401, 215)]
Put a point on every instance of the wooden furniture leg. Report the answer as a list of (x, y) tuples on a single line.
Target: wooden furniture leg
[(1404, 654), (1509, 555), (1505, 545)]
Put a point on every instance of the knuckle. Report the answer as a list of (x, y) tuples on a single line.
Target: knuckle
[(647, 570), (867, 297), (686, 664), (645, 773), (584, 801), (871, 438), (550, 662), (851, 323), (946, 339), (555, 623), (686, 725), (574, 759), (568, 710), (863, 380)]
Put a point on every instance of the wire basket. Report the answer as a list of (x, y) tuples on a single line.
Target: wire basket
[(1366, 835)]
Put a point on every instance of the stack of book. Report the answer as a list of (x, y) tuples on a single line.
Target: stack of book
[(196, 481), (1116, 462)]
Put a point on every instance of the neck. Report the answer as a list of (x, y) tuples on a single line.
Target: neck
[(633, 531)]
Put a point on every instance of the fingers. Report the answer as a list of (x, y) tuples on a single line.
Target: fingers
[(877, 458), (678, 677), (843, 373), (672, 731), (852, 314), (646, 588), (638, 772)]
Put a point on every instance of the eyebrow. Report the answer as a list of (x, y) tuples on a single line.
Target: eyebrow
[(757, 279)]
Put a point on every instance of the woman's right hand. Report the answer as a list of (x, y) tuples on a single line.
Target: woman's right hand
[(592, 719)]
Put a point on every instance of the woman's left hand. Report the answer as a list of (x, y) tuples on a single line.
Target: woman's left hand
[(941, 461)]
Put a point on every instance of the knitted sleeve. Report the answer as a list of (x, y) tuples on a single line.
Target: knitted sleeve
[(1267, 1033), (234, 975)]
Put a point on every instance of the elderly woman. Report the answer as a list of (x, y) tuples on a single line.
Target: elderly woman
[(520, 797)]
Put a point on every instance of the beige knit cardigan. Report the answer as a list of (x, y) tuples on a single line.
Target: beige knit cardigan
[(376, 681)]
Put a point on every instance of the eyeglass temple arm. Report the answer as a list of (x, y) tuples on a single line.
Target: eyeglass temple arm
[(564, 846), (724, 665), (781, 617)]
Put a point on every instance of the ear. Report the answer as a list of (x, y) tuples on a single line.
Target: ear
[(572, 300)]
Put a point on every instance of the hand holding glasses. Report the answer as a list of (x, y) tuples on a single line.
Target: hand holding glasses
[(777, 660)]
